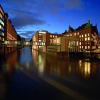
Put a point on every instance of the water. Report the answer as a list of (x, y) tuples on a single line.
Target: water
[(27, 74)]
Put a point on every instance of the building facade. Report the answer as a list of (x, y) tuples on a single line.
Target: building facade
[(10, 35), (87, 34), (2, 27), (42, 39)]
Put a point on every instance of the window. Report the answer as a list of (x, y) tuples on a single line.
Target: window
[(77, 43), (80, 43), (1, 22), (85, 47), (88, 47), (70, 34), (80, 36), (50, 35), (88, 38), (85, 39), (85, 35), (40, 34), (78, 33)]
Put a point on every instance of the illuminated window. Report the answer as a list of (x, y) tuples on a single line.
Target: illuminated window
[(88, 34), (36, 43), (88, 38), (75, 34), (88, 47), (44, 43), (78, 33), (85, 39), (77, 43), (85, 35), (80, 43), (70, 34), (40, 34), (85, 47), (82, 35), (50, 35), (80, 47)]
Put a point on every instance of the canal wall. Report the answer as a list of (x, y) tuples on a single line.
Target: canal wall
[(5, 51), (82, 55)]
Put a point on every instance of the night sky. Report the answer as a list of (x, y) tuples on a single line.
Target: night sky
[(55, 16)]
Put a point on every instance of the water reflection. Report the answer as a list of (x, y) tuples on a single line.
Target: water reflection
[(43, 64), (6, 72), (85, 68), (64, 67), (39, 60)]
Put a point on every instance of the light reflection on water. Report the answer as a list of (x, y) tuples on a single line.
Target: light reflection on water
[(50, 65), (85, 68), (46, 64)]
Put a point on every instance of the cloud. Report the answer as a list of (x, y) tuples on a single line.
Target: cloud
[(39, 8), (26, 34), (22, 13), (22, 20), (25, 13), (54, 6)]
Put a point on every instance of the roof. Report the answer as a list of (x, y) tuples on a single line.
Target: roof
[(82, 27)]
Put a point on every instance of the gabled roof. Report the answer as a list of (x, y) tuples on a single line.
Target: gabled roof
[(81, 27)]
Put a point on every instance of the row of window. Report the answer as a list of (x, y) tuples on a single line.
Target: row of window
[(85, 35), (39, 43), (84, 43), (84, 47), (77, 34), (85, 39)]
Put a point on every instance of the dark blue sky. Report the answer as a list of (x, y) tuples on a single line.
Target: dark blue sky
[(55, 16)]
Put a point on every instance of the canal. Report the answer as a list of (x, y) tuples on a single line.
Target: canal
[(27, 74)]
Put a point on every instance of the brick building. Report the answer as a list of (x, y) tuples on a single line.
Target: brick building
[(42, 39), (87, 34), (10, 35)]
